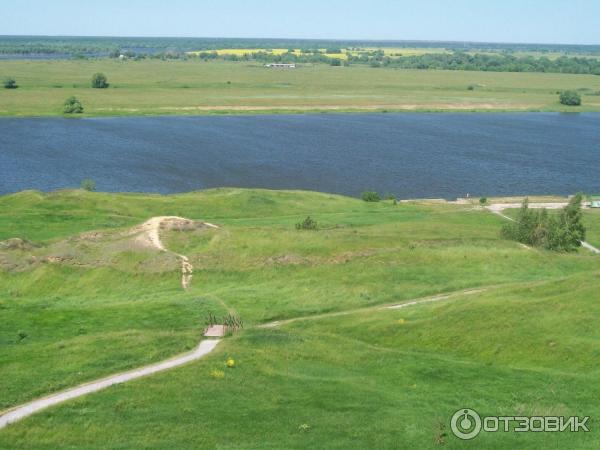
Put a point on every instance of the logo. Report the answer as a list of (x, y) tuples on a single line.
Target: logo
[(466, 424)]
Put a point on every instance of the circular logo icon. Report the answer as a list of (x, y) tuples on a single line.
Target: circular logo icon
[(465, 424)]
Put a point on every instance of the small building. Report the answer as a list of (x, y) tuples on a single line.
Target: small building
[(281, 66), (595, 204)]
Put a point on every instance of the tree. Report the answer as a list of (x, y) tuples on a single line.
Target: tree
[(10, 83), (571, 231), (88, 185), (371, 196), (72, 106), (99, 81), (307, 224), (570, 98), (559, 232)]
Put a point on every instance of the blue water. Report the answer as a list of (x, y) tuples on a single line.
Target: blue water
[(409, 155)]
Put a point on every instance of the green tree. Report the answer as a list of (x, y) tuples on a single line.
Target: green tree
[(559, 232), (570, 98), (88, 185), (307, 224), (72, 106), (10, 83), (571, 231), (371, 196), (99, 81)]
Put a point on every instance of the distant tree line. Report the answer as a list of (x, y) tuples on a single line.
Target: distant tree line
[(432, 61), (496, 63)]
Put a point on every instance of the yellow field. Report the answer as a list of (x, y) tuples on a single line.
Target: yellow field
[(392, 52), (274, 51)]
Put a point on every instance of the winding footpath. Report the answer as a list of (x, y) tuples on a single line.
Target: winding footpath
[(497, 209), (405, 304), (20, 412), (150, 233)]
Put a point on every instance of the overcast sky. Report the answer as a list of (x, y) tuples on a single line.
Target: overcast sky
[(539, 21)]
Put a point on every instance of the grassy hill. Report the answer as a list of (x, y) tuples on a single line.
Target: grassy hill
[(155, 87), (81, 299)]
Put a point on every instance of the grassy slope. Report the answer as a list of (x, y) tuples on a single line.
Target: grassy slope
[(359, 381), (193, 87)]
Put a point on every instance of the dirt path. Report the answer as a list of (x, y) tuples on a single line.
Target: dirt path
[(497, 208), (20, 412), (151, 234), (406, 304)]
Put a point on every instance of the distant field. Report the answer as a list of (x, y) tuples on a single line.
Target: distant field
[(154, 87), (274, 51)]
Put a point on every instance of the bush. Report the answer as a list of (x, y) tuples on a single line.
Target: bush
[(371, 196), (99, 81), (72, 106), (483, 201), (562, 232), (570, 98), (10, 83), (88, 185), (307, 224), (471, 87), (336, 62)]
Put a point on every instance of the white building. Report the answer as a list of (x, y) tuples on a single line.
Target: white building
[(281, 65)]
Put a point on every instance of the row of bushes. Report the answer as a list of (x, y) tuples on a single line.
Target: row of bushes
[(99, 81)]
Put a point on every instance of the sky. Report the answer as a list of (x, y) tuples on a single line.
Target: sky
[(530, 21)]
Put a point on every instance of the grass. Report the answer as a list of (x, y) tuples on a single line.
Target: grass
[(368, 379), (155, 87)]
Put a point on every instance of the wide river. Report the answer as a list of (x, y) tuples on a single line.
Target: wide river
[(410, 155)]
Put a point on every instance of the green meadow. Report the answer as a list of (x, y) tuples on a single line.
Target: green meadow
[(155, 87), (81, 299)]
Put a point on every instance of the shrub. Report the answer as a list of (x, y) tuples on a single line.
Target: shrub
[(471, 87), (10, 83), (72, 106), (483, 201), (99, 81), (307, 224), (570, 98), (371, 196), (88, 185)]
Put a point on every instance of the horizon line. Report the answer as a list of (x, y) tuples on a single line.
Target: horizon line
[(392, 40)]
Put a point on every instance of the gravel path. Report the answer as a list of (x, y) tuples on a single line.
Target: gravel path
[(20, 412)]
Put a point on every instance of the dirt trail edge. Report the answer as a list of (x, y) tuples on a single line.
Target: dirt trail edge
[(405, 304), (151, 233), (497, 208), (20, 412)]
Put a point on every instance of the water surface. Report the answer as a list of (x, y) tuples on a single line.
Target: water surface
[(410, 155)]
